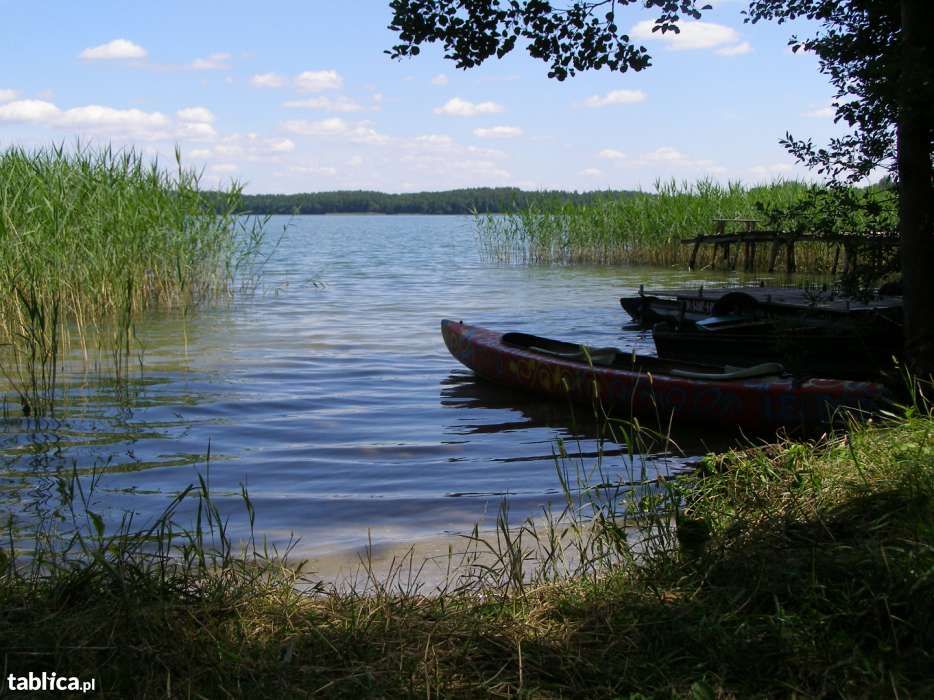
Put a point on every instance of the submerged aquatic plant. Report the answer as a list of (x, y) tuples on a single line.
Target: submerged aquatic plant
[(89, 238)]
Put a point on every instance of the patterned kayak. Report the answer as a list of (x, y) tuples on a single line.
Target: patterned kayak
[(758, 399)]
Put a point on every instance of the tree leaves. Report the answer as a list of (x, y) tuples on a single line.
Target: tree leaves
[(571, 39)]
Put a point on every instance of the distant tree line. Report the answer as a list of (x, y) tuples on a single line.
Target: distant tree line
[(484, 200)]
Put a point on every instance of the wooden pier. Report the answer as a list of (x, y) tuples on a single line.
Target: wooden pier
[(749, 237)]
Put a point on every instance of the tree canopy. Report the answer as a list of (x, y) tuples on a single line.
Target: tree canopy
[(580, 37)]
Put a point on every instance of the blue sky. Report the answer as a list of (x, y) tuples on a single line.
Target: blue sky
[(299, 96)]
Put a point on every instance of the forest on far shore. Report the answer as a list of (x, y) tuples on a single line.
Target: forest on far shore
[(483, 200)]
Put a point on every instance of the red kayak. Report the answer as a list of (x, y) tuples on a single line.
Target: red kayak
[(756, 399)]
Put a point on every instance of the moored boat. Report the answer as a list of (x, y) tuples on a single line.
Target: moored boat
[(756, 399)]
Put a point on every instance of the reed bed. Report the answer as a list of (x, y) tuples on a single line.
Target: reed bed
[(89, 239), (645, 228), (793, 569)]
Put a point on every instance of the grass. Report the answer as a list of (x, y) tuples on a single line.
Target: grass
[(647, 228), (801, 569), (90, 238)]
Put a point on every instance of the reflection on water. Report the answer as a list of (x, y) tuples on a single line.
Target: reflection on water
[(331, 396)]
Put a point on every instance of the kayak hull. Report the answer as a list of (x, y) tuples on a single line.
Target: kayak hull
[(643, 386)]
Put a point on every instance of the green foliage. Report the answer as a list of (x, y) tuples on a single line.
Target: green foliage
[(91, 238), (858, 47), (485, 200), (582, 36), (802, 568), (645, 228)]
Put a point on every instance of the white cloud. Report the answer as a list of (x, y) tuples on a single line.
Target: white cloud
[(315, 81), (97, 116), (693, 35), (280, 145), (335, 127), (827, 112), (738, 50), (216, 61), (666, 157), (591, 172), (615, 97), (435, 139), (195, 114), (664, 153), (313, 170), (200, 153), (440, 79), (29, 111), (196, 131), (327, 104), (112, 50), (7, 95), (456, 107), (267, 80), (224, 168), (498, 132)]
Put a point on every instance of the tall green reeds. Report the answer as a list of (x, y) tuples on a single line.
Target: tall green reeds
[(643, 229), (89, 238)]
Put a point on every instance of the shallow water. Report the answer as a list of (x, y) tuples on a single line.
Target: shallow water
[(330, 394)]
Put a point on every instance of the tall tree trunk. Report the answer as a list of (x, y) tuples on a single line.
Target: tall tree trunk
[(916, 186)]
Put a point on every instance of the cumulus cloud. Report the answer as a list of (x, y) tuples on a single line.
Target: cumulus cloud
[(614, 97), (97, 116), (335, 127), (216, 61), (196, 131), (326, 104), (195, 114), (440, 79), (738, 50), (193, 123), (267, 80), (693, 35), (224, 168), (591, 172), (456, 107), (498, 132), (318, 80), (29, 111), (612, 154), (113, 50), (90, 117), (7, 95)]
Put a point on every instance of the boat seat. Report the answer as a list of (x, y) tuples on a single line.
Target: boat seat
[(602, 357), (766, 369)]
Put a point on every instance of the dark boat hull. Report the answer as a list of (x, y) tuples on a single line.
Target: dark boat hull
[(815, 350), (636, 385)]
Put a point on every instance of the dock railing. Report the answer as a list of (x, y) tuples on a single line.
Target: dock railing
[(749, 236)]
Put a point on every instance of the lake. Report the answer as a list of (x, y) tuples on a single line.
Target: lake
[(330, 395)]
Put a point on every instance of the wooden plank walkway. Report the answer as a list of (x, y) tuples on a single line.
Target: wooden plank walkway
[(750, 237)]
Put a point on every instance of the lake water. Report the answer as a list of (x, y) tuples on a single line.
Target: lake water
[(330, 394)]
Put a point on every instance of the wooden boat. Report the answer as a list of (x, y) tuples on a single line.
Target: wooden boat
[(823, 348), (756, 399), (694, 304)]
